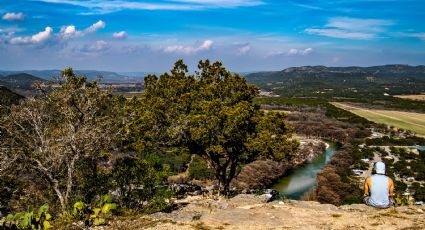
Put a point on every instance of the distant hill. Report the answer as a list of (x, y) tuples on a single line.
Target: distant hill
[(322, 81), (7, 97), (21, 81), (107, 76)]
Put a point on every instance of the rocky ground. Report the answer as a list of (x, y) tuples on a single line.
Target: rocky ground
[(253, 212)]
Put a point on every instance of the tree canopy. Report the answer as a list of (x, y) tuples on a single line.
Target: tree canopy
[(212, 115)]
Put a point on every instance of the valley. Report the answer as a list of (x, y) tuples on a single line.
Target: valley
[(318, 105)]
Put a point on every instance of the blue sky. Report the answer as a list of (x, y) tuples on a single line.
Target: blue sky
[(246, 35)]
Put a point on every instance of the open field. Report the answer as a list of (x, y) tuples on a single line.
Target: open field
[(419, 97), (406, 120)]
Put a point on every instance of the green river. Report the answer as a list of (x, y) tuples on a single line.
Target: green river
[(300, 180)]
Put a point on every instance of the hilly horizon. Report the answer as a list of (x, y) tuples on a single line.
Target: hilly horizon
[(47, 74)]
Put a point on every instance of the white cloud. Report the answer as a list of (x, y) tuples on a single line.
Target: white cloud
[(10, 30), (42, 36), (292, 52), (206, 45), (13, 16), (305, 51), (359, 24), (223, 3), (414, 35), (244, 49), (96, 26), (99, 6), (120, 35), (98, 46), (92, 49), (351, 28), (337, 33), (72, 32), (34, 39)]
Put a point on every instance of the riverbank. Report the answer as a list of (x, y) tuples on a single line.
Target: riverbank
[(253, 212), (263, 173)]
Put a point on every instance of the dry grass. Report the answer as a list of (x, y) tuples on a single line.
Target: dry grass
[(419, 97)]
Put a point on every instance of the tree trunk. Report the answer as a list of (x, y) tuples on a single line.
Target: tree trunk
[(69, 183), (61, 198)]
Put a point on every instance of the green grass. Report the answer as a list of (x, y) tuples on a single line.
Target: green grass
[(405, 120)]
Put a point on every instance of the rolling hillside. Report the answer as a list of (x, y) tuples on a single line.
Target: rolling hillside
[(7, 97), (21, 81), (107, 76), (348, 82)]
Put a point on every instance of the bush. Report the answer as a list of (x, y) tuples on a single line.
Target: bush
[(32, 219), (136, 181), (199, 170), (96, 216)]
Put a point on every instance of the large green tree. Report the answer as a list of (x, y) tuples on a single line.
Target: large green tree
[(212, 115)]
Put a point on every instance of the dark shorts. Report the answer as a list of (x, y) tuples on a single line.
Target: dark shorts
[(367, 201)]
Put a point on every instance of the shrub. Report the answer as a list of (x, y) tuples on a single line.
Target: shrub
[(199, 170), (96, 216), (37, 219), (136, 181)]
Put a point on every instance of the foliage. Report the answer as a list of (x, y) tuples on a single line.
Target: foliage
[(136, 180), (420, 194), (92, 179), (388, 141), (331, 111), (9, 188), (209, 113), (199, 170), (400, 200), (51, 135), (177, 159), (32, 219), (94, 216)]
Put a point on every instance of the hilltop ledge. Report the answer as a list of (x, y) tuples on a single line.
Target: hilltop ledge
[(253, 212)]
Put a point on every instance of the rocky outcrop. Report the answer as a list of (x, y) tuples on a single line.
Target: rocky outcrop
[(252, 212)]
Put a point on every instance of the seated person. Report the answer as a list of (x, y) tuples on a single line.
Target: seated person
[(378, 188)]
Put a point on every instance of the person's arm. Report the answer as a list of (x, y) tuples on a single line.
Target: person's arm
[(391, 187), (367, 185)]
